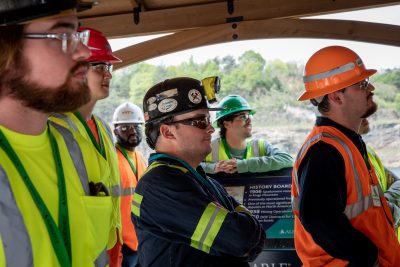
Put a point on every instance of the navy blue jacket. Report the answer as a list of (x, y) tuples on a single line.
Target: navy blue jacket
[(172, 204)]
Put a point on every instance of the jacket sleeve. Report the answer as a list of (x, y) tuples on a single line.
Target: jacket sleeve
[(273, 160), (392, 194), (178, 209), (209, 167), (322, 201)]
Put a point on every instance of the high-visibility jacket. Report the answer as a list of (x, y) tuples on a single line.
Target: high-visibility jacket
[(259, 156), (180, 222), (25, 240), (255, 148), (381, 174), (378, 167), (128, 184), (373, 221), (72, 122)]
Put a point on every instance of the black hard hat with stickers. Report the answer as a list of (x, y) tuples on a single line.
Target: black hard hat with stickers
[(173, 97), (20, 11)]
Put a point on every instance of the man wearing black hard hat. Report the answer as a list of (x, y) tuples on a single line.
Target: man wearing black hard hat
[(48, 215), (182, 217)]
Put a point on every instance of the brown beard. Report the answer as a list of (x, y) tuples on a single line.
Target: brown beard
[(370, 111), (67, 97)]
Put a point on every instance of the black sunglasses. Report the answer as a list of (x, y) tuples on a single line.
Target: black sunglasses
[(199, 122)]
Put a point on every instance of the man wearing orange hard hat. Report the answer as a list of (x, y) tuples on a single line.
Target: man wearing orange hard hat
[(341, 215), (48, 213), (96, 131)]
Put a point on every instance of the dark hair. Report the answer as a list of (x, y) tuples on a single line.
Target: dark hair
[(152, 131), (323, 106), (11, 44), (220, 123)]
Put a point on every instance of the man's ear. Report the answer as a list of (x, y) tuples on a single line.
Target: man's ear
[(165, 131), (336, 97), (226, 124)]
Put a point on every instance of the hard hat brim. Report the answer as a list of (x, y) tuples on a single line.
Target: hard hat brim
[(310, 94)]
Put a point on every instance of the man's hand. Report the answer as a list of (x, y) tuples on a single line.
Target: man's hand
[(227, 166)]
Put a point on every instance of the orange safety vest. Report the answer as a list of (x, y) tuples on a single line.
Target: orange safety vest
[(374, 222), (128, 185)]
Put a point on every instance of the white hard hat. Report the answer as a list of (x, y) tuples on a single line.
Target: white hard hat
[(128, 113)]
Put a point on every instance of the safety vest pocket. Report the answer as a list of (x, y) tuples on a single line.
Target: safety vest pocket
[(99, 211)]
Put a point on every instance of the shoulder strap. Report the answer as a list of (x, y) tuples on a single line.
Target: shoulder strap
[(15, 238), (76, 155)]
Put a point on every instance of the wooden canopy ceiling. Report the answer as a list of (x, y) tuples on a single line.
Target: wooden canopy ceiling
[(195, 23)]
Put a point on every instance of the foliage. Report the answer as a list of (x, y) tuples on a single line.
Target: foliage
[(270, 87)]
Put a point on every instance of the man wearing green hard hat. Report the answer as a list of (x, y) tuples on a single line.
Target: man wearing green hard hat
[(235, 151)]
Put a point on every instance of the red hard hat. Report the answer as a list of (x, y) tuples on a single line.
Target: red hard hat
[(99, 47)]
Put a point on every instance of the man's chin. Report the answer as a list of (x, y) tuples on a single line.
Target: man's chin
[(370, 111)]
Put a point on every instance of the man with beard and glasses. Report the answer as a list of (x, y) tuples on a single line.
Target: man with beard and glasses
[(235, 151), (49, 216), (96, 130), (341, 215), (182, 217), (128, 121)]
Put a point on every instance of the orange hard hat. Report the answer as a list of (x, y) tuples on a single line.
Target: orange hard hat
[(100, 48), (331, 69)]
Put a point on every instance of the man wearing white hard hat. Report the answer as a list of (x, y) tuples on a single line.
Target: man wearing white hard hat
[(128, 123)]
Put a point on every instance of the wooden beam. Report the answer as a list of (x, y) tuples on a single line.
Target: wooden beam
[(182, 18), (261, 29)]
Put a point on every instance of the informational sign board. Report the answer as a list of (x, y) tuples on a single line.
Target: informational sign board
[(267, 196)]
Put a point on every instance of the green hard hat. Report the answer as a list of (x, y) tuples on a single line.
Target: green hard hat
[(232, 104)]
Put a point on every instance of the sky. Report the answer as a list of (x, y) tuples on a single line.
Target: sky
[(291, 50)]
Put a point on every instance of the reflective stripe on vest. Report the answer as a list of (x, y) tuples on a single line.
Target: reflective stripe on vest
[(257, 150), (76, 155), (14, 235), (102, 260), (208, 227), (137, 200), (127, 191), (66, 119), (378, 168), (21, 237), (351, 210)]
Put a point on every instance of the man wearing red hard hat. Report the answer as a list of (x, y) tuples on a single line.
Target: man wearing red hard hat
[(95, 130), (48, 214)]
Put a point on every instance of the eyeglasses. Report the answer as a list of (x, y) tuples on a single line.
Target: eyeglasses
[(243, 116), (102, 67), (69, 40), (199, 122), (125, 128), (364, 84)]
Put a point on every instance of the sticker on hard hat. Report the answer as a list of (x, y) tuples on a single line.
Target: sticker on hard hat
[(152, 107), (167, 94), (167, 105), (194, 96), (151, 100)]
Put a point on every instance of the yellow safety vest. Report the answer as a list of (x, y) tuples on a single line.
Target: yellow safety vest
[(71, 121), (255, 148), (28, 242)]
